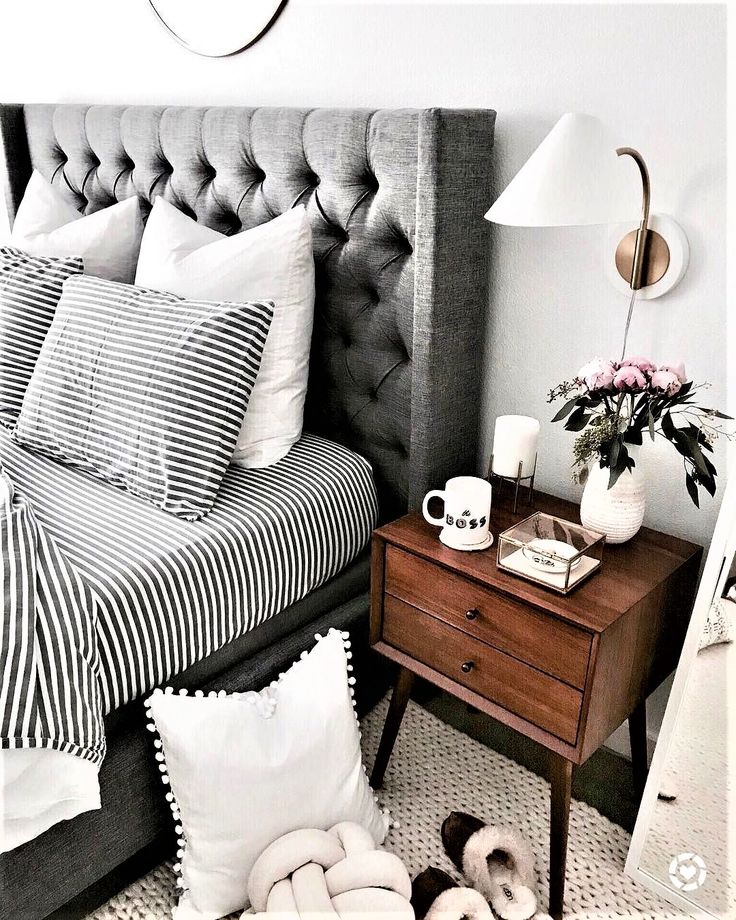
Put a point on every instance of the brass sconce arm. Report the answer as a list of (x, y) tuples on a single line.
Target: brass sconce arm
[(637, 267)]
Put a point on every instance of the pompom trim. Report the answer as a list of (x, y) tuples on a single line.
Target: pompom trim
[(160, 754)]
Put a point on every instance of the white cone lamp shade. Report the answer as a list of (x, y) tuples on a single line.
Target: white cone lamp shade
[(574, 178)]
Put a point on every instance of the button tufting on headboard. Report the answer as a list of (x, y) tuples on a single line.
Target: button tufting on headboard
[(236, 225), (401, 263)]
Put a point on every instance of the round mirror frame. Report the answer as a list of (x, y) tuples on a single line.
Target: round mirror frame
[(185, 44)]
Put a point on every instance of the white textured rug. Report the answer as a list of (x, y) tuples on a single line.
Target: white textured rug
[(436, 769)]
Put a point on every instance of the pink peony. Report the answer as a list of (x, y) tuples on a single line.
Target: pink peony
[(629, 377), (597, 374), (677, 369), (644, 364), (667, 381)]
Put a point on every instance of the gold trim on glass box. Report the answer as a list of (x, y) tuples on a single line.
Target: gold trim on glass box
[(515, 551)]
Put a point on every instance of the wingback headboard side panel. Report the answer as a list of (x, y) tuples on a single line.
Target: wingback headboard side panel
[(16, 159), (451, 295), (395, 199)]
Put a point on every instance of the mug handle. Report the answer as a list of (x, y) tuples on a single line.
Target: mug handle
[(435, 493)]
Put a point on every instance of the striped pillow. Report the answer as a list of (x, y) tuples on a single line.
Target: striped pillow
[(30, 288), (144, 389)]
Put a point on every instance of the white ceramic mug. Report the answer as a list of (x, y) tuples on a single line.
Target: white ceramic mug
[(466, 518)]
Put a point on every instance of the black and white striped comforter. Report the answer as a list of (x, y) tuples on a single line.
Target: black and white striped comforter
[(49, 666), (169, 592), (52, 735)]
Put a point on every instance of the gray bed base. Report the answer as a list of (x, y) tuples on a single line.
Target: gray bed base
[(396, 199), (84, 862)]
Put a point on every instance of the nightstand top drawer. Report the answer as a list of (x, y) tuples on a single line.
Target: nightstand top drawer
[(629, 574), (540, 699), (531, 635)]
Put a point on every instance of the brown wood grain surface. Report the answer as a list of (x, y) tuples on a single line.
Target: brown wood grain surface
[(628, 574), (522, 653), (543, 700), (520, 630)]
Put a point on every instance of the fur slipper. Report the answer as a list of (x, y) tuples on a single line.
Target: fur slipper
[(496, 861), (435, 896)]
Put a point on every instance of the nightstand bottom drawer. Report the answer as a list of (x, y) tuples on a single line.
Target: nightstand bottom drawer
[(497, 677)]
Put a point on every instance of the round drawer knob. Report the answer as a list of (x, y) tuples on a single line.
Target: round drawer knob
[(467, 666), (472, 614)]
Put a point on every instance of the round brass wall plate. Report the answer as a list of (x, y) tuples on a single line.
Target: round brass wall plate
[(217, 28), (666, 234), (656, 257)]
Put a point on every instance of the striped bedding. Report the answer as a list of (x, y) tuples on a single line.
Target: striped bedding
[(30, 288), (144, 389), (52, 736), (168, 592)]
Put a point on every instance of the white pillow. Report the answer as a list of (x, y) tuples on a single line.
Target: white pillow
[(108, 240), (273, 261), (247, 768)]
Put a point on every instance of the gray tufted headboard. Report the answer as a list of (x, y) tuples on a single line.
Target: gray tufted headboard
[(396, 199)]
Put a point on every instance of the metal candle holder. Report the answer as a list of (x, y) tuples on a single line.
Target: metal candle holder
[(516, 481)]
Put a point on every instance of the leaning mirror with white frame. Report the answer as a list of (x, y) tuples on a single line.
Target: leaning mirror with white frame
[(684, 842)]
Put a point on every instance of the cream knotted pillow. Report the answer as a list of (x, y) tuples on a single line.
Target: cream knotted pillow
[(338, 874)]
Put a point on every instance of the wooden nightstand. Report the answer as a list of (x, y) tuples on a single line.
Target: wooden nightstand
[(565, 671)]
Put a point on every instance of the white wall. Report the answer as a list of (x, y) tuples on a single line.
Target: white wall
[(655, 73)]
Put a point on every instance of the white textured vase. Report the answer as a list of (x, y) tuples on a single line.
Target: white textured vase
[(616, 512)]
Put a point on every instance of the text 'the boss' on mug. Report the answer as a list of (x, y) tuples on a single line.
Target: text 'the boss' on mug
[(467, 513)]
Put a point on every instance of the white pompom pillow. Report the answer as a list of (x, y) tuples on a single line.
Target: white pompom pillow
[(246, 768)]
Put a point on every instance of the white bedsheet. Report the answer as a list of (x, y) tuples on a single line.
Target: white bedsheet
[(39, 788)]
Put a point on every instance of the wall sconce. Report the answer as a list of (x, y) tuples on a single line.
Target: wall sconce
[(574, 178)]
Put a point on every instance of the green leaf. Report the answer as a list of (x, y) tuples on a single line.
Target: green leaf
[(640, 402), (565, 410), (675, 436), (638, 421), (578, 420), (709, 466), (633, 436), (696, 454), (709, 484), (614, 453), (668, 426), (614, 476), (651, 425), (620, 464), (692, 489)]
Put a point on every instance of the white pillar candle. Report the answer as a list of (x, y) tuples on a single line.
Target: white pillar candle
[(515, 441)]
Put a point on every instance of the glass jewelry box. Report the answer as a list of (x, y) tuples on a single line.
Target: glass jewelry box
[(551, 551)]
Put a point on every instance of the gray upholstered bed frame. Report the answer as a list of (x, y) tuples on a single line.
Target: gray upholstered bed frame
[(396, 200)]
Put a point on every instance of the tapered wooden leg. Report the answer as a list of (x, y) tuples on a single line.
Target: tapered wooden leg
[(396, 710), (639, 753), (561, 780)]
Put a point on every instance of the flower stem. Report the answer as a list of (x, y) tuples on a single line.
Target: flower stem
[(628, 323)]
